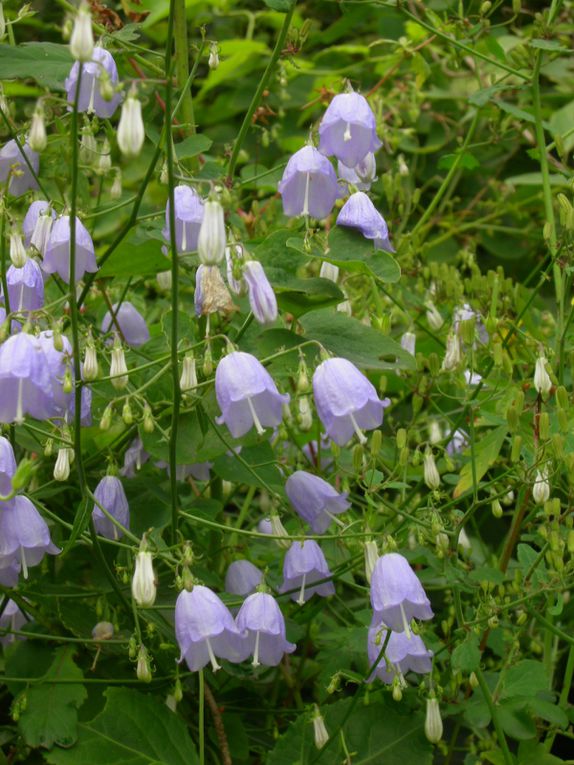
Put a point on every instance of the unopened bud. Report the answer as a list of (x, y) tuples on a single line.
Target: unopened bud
[(37, 138), (213, 61), (371, 557), (188, 379), (542, 381), (103, 631), (116, 188), (148, 420), (452, 356), (127, 414), (516, 448), (496, 508), (22, 476), (541, 487), (90, 368), (118, 367), (67, 382), (433, 721), (17, 250), (143, 669), (434, 318), (305, 414), (431, 474), (104, 164), (319, 730), (82, 39), (131, 132), (106, 420), (211, 241), (62, 466), (144, 588), (279, 530)]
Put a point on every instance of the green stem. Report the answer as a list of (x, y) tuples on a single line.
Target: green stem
[(182, 64), (201, 718), (246, 124), (495, 719)]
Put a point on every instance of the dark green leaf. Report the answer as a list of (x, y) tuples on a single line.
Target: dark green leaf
[(138, 255), (310, 295), (466, 656), (349, 249), (192, 146), (526, 678), (47, 63), (280, 5), (254, 466), (485, 452)]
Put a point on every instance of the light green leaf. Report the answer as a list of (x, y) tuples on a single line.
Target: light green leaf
[(485, 453), (192, 146), (349, 249), (526, 678), (466, 656)]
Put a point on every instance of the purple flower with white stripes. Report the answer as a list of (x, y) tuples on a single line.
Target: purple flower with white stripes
[(309, 184)]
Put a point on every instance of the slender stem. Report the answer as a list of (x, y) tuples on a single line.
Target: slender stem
[(259, 92), (201, 718), (182, 65), (495, 719), (3, 263)]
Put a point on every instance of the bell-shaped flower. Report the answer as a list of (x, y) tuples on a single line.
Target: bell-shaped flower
[(348, 129), (362, 175), (309, 184), (130, 321), (37, 225), (188, 218), (12, 620), (7, 466), (247, 394), (25, 384), (242, 578), (24, 535), (25, 287), (542, 381), (131, 131), (360, 213), (316, 501), (57, 253), (403, 654), (263, 627), (541, 487), (101, 68), (13, 166), (458, 442), (433, 721), (134, 458), (261, 296), (211, 240), (397, 596), (110, 494), (346, 401), (205, 629), (305, 564), (82, 38)]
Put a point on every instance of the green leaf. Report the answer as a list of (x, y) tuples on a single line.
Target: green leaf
[(50, 715), (350, 338), (138, 255), (527, 678), (516, 721), (255, 466), (280, 5), (553, 45), (304, 295), (535, 179), (47, 63), (485, 453), (533, 753), (132, 729), (192, 146), (561, 122), (466, 656), (467, 161), (349, 249), (552, 713)]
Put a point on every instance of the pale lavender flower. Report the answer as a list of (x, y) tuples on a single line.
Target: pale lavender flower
[(197, 470), (403, 654), (314, 450), (465, 313), (236, 284), (247, 394), (25, 287), (458, 442), (57, 362), (110, 494), (348, 129), (9, 570), (408, 342), (7, 466), (24, 535), (309, 184), (188, 218), (263, 627), (346, 401), (101, 69), (305, 564), (57, 255), (25, 384), (360, 213), (397, 596), (316, 501), (205, 629), (242, 578), (261, 296), (38, 211), (14, 166), (362, 175), (131, 323), (12, 619), (265, 526), (134, 458)]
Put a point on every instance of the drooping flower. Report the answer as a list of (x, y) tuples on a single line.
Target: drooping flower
[(82, 38), (541, 487), (24, 535), (110, 494), (430, 471), (7, 466), (247, 394), (242, 578), (37, 138), (131, 131), (408, 342), (131, 323), (14, 166), (346, 401), (402, 654), (362, 175), (305, 564), (397, 596), (211, 294), (25, 384), (466, 313), (433, 721), (212, 239), (316, 501), (542, 381), (57, 253), (309, 184), (144, 588), (99, 69), (360, 213), (25, 287), (189, 212), (205, 629), (37, 224), (261, 295), (134, 458), (263, 627), (348, 129), (12, 620), (458, 442)]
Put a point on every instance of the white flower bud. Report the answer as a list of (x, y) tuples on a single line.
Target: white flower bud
[(116, 189), (279, 530), (408, 342), (82, 39), (433, 316), (541, 488), (37, 138), (329, 271), (452, 356), (104, 159), (371, 557), (433, 721), (213, 61), (41, 233), (143, 669), (188, 379), (345, 307), (118, 367), (435, 434), (431, 474), (403, 167), (320, 732), (131, 133), (464, 541), (62, 466), (144, 587), (17, 250), (88, 147), (211, 241), (164, 280), (90, 369), (542, 381), (305, 414)]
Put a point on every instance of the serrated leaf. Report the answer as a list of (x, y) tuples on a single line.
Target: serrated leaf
[(134, 729), (485, 453)]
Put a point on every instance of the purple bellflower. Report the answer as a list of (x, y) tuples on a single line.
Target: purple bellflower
[(34, 232), (309, 184), (402, 654), (205, 629), (262, 624), (14, 166), (305, 564), (24, 535), (360, 213), (247, 395), (110, 494), (57, 363), (397, 596), (57, 255), (134, 458), (346, 401), (131, 323), (12, 619), (25, 287), (188, 219), (348, 129), (315, 500), (25, 384), (465, 313), (7, 466), (242, 578), (101, 69), (457, 443), (265, 526), (362, 175), (261, 296)]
